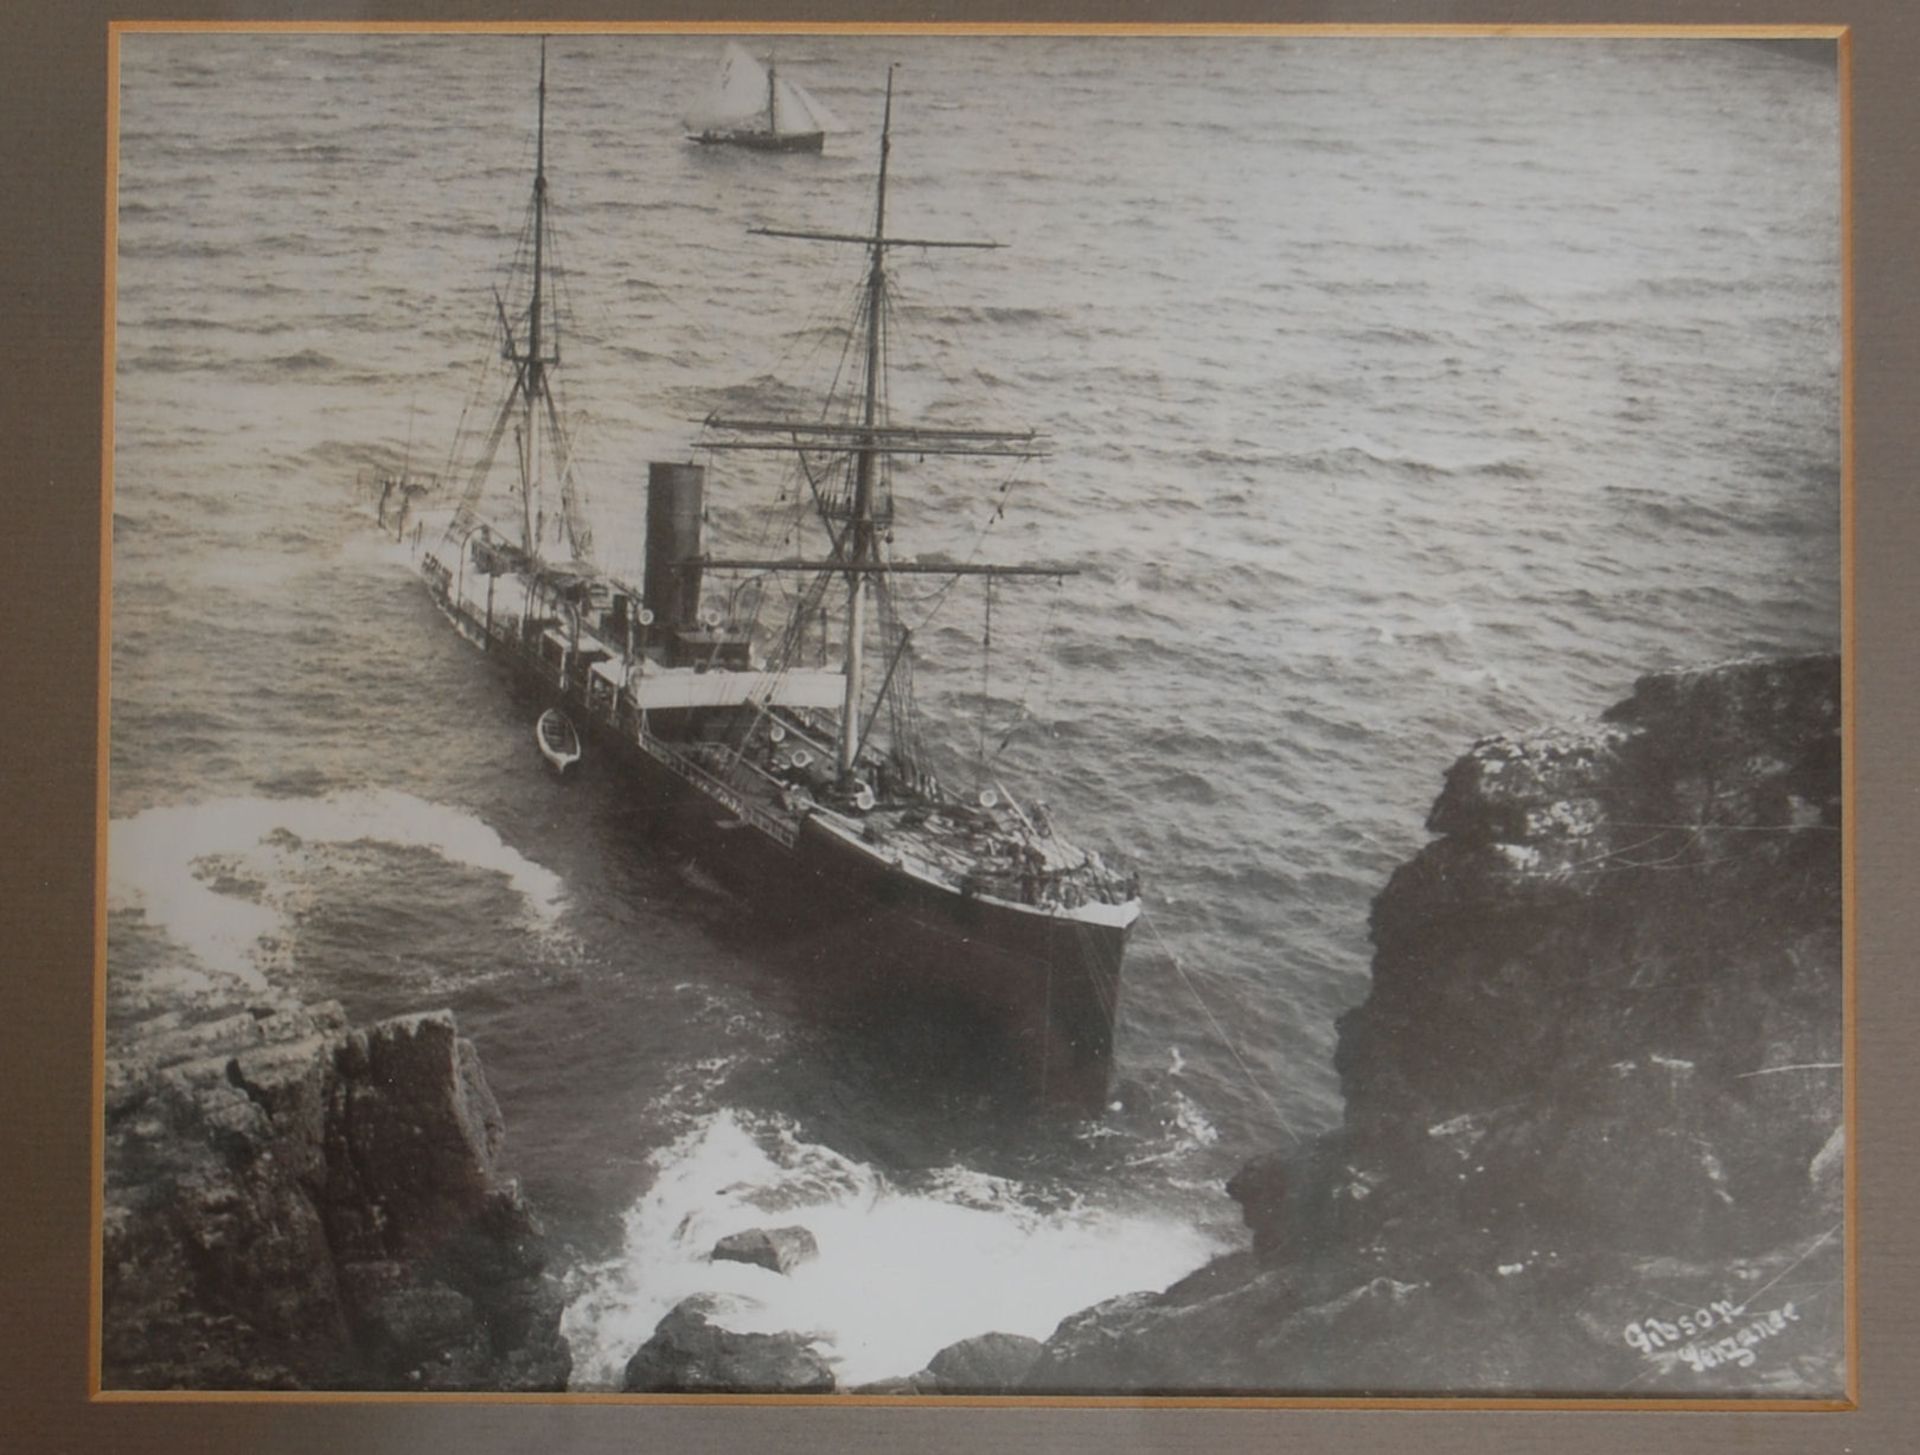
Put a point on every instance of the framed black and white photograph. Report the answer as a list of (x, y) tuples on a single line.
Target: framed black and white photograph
[(910, 716), (886, 729)]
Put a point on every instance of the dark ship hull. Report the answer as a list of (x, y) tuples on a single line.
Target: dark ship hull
[(764, 141), (1042, 985)]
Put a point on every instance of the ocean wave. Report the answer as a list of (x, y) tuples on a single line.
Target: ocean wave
[(1208, 455), (1381, 334), (197, 249), (970, 317), (1186, 786), (1328, 145), (1700, 285), (167, 360), (1175, 1128), (1585, 327), (202, 323), (1347, 459), (902, 1270), (209, 873), (303, 361)]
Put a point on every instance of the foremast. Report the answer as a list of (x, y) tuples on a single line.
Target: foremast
[(530, 408), (532, 381)]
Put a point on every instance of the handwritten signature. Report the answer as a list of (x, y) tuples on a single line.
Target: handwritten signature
[(1661, 1339)]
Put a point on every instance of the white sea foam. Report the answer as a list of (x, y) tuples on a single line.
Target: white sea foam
[(158, 862), (900, 1274)]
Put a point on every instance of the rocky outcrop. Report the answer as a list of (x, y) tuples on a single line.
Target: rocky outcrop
[(291, 1203), (689, 1353), (1593, 1139), (778, 1250)]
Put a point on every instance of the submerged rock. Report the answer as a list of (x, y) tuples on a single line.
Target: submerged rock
[(777, 1249), (1593, 1100), (293, 1204), (690, 1353)]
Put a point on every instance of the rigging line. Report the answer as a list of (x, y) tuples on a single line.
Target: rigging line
[(939, 598), (482, 469), (1046, 1022), (834, 538), (899, 653), (1232, 1050), (827, 322), (483, 370), (560, 241), (823, 323), (994, 516), (856, 296), (986, 676), (453, 449), (775, 514), (1109, 1008), (1106, 988), (826, 326), (579, 533), (1023, 708)]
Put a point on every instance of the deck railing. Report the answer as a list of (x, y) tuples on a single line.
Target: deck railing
[(506, 631), (716, 789)]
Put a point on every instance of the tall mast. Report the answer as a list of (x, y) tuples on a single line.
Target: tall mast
[(858, 554), (529, 400), (773, 97), (862, 548), (533, 377)]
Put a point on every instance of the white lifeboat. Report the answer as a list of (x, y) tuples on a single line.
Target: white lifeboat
[(558, 740)]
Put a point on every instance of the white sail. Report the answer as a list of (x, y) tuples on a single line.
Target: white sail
[(796, 109), (737, 99), (741, 99)]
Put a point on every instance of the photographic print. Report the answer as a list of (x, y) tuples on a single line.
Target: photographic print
[(918, 716)]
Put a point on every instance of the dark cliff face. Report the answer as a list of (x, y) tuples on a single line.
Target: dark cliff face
[(1592, 1142), (293, 1204)]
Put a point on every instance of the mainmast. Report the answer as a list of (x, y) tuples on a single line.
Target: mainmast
[(862, 547), (859, 553)]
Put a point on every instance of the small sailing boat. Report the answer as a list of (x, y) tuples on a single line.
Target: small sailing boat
[(733, 698), (751, 105), (559, 742)]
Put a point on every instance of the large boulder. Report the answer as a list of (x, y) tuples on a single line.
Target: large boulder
[(986, 1364), (690, 1353), (776, 1249)]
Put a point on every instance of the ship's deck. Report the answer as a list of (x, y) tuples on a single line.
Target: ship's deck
[(772, 761)]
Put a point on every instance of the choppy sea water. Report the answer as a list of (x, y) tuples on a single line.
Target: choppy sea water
[(1400, 391)]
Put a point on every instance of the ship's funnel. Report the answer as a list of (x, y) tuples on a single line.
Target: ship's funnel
[(675, 495)]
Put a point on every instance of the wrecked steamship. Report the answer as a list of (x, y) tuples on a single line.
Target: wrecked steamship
[(763, 708)]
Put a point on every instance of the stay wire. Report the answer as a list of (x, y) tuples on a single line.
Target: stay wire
[(1219, 1030)]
